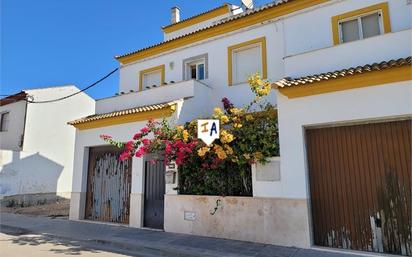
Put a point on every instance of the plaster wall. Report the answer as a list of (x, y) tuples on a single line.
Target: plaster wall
[(11, 139), (265, 220), (194, 27), (312, 30), (45, 164), (357, 105), (375, 49), (216, 49), (90, 138)]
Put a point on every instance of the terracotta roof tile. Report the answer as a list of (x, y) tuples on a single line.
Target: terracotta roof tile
[(229, 19), (134, 110), (197, 15), (289, 82), (13, 98)]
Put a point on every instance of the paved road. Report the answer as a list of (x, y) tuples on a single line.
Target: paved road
[(43, 246), (140, 242)]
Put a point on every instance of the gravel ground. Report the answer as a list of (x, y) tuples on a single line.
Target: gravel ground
[(58, 209)]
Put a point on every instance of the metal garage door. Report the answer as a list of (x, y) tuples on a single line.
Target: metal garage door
[(360, 183), (108, 186)]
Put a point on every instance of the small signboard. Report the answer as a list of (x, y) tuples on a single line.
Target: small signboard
[(208, 130)]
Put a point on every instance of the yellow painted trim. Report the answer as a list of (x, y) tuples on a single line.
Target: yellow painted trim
[(383, 7), (142, 72), (230, 49), (367, 79), (249, 20), (165, 112), (224, 9)]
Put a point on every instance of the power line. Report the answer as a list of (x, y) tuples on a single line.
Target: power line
[(68, 96)]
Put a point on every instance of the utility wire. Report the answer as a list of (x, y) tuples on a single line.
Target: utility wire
[(68, 96)]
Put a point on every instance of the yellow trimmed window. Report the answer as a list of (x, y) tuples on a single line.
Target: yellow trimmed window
[(246, 59), (362, 23), (152, 77)]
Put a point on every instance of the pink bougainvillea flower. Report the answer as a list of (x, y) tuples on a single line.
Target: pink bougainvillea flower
[(144, 130), (129, 145), (152, 161), (168, 148), (140, 152), (137, 136), (123, 156), (145, 141)]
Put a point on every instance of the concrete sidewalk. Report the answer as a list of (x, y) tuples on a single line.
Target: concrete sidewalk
[(142, 242)]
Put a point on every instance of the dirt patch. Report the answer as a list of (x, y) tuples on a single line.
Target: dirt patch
[(57, 209)]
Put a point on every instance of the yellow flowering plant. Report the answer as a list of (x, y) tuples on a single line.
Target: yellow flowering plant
[(245, 137)]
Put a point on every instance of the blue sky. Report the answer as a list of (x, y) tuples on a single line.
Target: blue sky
[(57, 42)]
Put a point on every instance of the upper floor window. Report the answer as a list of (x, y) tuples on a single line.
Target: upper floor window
[(195, 67), (359, 24), (4, 121), (361, 27), (246, 59), (151, 78)]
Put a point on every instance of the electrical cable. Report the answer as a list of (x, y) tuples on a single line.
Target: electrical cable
[(68, 96)]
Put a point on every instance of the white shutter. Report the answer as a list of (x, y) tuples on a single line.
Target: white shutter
[(370, 25), (246, 62), (152, 78)]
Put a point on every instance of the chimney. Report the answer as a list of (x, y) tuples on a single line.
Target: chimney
[(175, 15)]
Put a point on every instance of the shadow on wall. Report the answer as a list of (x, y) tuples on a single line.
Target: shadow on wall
[(28, 177)]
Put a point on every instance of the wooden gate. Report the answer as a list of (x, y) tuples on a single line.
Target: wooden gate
[(154, 192), (360, 183), (108, 186)]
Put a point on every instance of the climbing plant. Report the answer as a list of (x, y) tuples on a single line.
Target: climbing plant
[(247, 135)]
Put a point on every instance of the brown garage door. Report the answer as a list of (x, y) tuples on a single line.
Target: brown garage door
[(108, 186), (360, 183)]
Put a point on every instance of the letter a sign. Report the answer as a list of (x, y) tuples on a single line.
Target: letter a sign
[(208, 130)]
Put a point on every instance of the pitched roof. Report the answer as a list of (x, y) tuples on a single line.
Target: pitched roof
[(224, 7), (353, 71), (13, 98), (115, 114), (274, 10)]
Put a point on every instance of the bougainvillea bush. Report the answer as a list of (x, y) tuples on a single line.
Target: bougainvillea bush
[(222, 168)]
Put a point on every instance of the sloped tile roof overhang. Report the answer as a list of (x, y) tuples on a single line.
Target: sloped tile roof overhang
[(13, 98), (221, 10), (125, 116), (232, 23), (354, 77)]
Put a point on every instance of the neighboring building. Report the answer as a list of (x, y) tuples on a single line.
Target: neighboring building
[(37, 145), (209, 56)]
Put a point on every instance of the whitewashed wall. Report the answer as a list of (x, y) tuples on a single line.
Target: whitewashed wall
[(91, 138), (218, 63), (45, 164), (10, 139), (194, 27), (375, 49), (343, 106), (312, 30)]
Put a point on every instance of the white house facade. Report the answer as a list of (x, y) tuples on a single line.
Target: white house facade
[(37, 145), (297, 44)]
